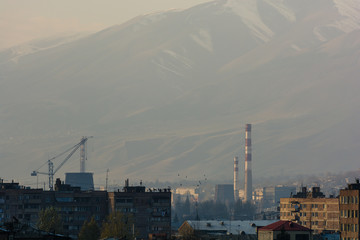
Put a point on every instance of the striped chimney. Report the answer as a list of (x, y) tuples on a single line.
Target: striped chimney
[(236, 178), (248, 174)]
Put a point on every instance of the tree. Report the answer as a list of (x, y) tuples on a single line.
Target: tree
[(187, 206), (118, 225), (89, 230), (50, 220)]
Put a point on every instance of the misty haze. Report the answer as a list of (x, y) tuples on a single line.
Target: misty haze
[(168, 94)]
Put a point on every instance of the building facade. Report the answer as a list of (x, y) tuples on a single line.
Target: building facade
[(73, 205), (312, 210), (20, 203), (151, 210), (349, 211)]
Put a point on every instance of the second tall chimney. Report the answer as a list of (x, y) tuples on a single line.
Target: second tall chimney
[(248, 173)]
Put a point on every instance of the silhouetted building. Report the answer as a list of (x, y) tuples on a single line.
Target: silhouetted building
[(272, 195), (224, 193), (84, 180)]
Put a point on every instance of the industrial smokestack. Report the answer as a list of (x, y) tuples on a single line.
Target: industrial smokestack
[(248, 174), (236, 178)]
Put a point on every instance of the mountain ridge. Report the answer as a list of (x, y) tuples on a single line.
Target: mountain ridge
[(170, 92)]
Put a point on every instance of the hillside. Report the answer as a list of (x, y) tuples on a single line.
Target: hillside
[(168, 94)]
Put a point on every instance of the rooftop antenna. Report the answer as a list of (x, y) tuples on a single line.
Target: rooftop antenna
[(107, 179)]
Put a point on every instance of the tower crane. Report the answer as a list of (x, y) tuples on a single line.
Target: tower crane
[(72, 150)]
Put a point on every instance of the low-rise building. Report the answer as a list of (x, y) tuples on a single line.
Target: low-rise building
[(284, 230), (312, 210), (216, 229)]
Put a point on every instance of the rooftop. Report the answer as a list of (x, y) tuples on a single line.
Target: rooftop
[(284, 225)]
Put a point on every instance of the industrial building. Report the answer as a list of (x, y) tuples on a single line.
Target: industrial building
[(349, 211), (312, 210)]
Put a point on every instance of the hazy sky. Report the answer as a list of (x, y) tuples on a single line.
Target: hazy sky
[(24, 20)]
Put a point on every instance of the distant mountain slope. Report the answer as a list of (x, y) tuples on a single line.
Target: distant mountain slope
[(170, 93)]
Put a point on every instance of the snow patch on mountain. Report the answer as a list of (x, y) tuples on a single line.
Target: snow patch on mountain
[(156, 17), (186, 62), (249, 13), (173, 62), (350, 9), (317, 32), (203, 38), (19, 51), (296, 47), (282, 9), (163, 65)]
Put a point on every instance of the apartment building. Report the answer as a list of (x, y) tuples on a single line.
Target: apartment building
[(349, 211), (312, 210), (151, 210), (19, 203)]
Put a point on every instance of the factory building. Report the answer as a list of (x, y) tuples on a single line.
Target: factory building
[(349, 211), (312, 210)]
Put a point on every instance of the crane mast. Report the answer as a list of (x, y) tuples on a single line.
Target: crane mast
[(51, 172)]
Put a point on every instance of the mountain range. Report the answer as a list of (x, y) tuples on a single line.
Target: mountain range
[(167, 95)]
